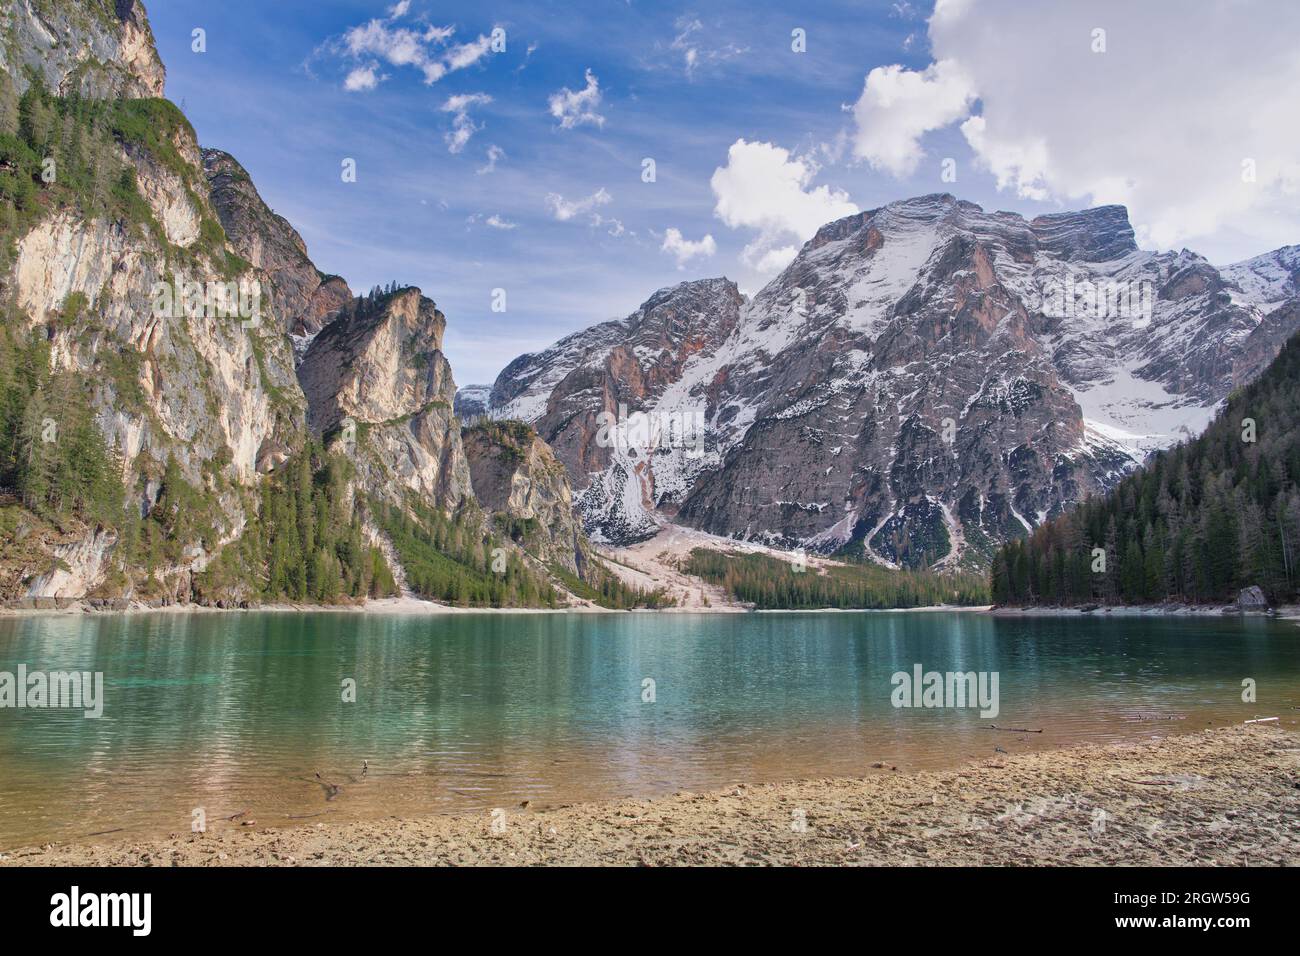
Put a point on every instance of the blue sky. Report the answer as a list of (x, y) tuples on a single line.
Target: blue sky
[(562, 221)]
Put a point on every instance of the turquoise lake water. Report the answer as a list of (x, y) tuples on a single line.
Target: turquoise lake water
[(233, 712)]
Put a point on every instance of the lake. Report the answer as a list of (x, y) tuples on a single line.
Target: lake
[(241, 711)]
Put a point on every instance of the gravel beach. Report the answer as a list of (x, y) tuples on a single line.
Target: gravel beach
[(1228, 796)]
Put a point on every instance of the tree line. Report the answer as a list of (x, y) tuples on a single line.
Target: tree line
[(772, 584)]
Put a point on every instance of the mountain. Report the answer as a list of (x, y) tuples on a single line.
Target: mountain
[(1210, 519), (190, 410), (922, 382)]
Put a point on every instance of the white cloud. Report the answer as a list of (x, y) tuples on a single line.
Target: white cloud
[(897, 106), (462, 127), (1161, 122), (494, 154), (762, 187), (576, 108), (564, 210), (496, 222), (467, 54), (424, 49), (684, 250), (363, 79), (398, 10)]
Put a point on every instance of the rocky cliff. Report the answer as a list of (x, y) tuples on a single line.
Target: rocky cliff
[(119, 271), (923, 381), (100, 49), (303, 297), (378, 372)]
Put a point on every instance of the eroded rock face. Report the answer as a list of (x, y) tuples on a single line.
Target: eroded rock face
[(380, 359), (923, 381), (221, 395), (99, 50), (520, 482), (304, 297)]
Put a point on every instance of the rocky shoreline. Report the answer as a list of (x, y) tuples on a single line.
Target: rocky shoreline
[(1226, 796)]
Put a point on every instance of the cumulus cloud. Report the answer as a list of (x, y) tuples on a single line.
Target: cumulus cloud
[(398, 10), (564, 209), (496, 222), (363, 78), (684, 250), (425, 49), (1171, 120), (763, 187), (897, 106), (462, 127), (577, 108)]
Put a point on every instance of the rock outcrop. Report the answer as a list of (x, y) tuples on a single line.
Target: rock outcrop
[(378, 372)]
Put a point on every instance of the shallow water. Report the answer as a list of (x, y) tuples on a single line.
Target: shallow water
[(229, 712)]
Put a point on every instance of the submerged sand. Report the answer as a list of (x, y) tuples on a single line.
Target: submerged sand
[(1227, 796)]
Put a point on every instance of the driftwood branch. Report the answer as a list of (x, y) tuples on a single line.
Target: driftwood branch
[(1013, 730)]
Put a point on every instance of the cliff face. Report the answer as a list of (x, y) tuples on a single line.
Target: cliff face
[(923, 381), (525, 489), (101, 49), (303, 297), (126, 278)]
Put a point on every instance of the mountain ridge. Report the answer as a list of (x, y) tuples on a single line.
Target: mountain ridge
[(1011, 315)]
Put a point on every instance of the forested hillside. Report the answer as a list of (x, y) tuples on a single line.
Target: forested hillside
[(1198, 523)]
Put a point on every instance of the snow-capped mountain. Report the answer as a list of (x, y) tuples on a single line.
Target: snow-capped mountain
[(923, 381)]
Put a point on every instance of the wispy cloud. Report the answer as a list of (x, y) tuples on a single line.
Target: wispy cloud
[(363, 78), (564, 209), (690, 42), (381, 41), (462, 127), (494, 154)]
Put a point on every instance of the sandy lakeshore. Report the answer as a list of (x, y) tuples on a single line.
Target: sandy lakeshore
[(1228, 796)]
